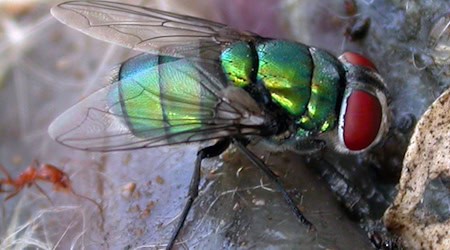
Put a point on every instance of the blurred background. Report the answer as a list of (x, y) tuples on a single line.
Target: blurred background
[(46, 67)]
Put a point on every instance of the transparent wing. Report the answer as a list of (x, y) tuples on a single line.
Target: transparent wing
[(176, 102), (145, 29)]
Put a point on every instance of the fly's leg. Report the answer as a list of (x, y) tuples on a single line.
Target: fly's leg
[(308, 147), (204, 153), (273, 177)]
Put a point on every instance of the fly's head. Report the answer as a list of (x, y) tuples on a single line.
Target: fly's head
[(364, 115)]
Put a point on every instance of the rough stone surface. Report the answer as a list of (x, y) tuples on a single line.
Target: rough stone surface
[(426, 159)]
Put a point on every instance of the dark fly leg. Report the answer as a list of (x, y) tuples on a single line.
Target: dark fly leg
[(274, 178), (204, 153)]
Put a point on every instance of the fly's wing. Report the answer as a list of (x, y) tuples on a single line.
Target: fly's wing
[(145, 29), (173, 101)]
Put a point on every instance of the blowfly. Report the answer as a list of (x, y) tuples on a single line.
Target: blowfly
[(199, 80)]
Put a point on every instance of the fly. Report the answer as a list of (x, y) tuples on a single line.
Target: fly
[(199, 80)]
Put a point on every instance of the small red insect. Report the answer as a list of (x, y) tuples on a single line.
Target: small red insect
[(39, 172)]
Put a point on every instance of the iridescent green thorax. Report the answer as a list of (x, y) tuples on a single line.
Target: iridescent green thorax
[(238, 62), (305, 82), (326, 88), (144, 81), (285, 69)]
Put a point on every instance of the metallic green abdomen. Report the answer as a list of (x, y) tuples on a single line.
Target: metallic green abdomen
[(305, 82), (149, 91)]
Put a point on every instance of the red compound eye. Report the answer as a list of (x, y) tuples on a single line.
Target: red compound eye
[(362, 120), (359, 60)]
